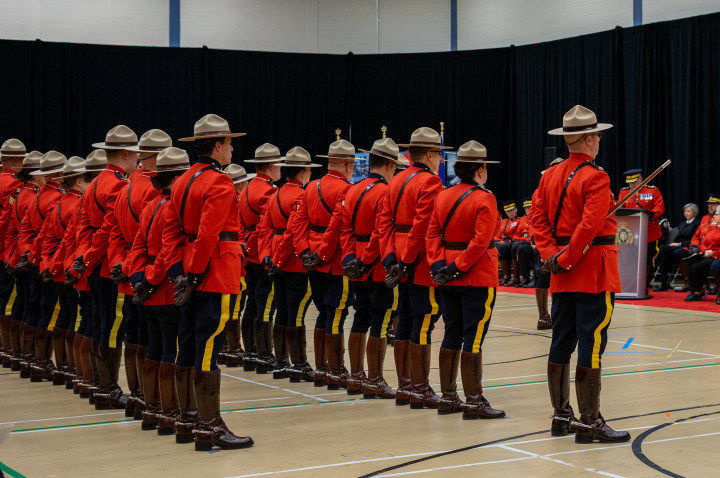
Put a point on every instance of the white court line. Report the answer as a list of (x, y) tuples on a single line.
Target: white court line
[(535, 455), (398, 457), (635, 344), (124, 422), (62, 418), (314, 397), (255, 400)]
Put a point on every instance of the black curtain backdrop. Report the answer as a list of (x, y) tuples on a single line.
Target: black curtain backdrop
[(658, 84)]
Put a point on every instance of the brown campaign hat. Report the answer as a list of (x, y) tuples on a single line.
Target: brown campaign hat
[(74, 166), (95, 161), (266, 153), (340, 150), (51, 162), (13, 148), (427, 138), (385, 148), (553, 163), (298, 157), (473, 152), (119, 138), (579, 120), (32, 161), (171, 159), (152, 142), (211, 126), (237, 173)]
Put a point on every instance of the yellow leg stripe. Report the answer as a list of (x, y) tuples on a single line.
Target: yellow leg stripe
[(301, 309), (53, 320), (388, 314), (118, 319), (268, 304), (11, 301), (224, 316), (486, 317), (598, 331), (177, 348), (243, 285), (434, 307), (657, 252), (341, 307)]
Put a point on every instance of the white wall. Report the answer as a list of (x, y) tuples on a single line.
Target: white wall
[(661, 10), (109, 22)]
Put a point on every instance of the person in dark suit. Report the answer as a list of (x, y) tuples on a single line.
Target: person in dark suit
[(667, 256)]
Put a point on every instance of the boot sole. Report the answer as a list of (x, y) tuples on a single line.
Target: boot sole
[(581, 438), (354, 392), (203, 446), (559, 432), (184, 438), (400, 402), (165, 431)]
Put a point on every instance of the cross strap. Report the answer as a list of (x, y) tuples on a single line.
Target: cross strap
[(402, 189), (454, 207), (187, 190), (135, 216), (277, 198), (97, 203), (322, 200), (37, 202), (152, 218), (558, 210), (247, 198), (360, 198)]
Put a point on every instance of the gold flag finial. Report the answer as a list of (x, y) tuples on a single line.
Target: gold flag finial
[(442, 126), (337, 133), (384, 131)]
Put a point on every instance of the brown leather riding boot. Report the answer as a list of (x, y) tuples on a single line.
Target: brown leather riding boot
[(188, 416), (422, 395), (79, 363), (28, 350), (7, 353), (62, 370), (476, 405), (16, 343), (151, 384), (682, 267), (321, 364), (211, 429), (247, 325), (88, 377), (337, 376), (95, 386), (402, 366), (70, 357), (450, 401), (131, 373), (592, 426), (234, 353), (263, 341), (375, 386), (300, 370), (514, 280), (139, 366), (506, 270), (717, 286), (168, 399), (544, 320), (563, 420), (356, 350), (109, 395), (43, 368), (280, 341)]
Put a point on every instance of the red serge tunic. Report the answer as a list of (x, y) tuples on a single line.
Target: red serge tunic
[(404, 222), (649, 199), (252, 204), (507, 229), (359, 237), (276, 237), (591, 269), (30, 237), (17, 211), (469, 234), (316, 223), (9, 185), (54, 230)]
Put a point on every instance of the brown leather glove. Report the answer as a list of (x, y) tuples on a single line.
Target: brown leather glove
[(394, 275), (551, 265), (117, 276), (46, 276)]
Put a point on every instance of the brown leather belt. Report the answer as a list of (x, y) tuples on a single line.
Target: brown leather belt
[(597, 241), (403, 228), (362, 237), (223, 236), (250, 227), (318, 229), (461, 246), (280, 232)]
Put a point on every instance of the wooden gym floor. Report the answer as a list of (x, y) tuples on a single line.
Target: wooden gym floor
[(661, 381)]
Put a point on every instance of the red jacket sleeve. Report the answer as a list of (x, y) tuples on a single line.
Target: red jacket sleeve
[(331, 238)]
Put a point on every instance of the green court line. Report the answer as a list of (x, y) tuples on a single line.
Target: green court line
[(356, 399), (10, 472)]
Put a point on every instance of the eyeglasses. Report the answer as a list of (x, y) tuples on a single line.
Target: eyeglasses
[(598, 134)]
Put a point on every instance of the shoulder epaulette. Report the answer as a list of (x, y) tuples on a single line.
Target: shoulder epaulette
[(626, 187), (651, 186)]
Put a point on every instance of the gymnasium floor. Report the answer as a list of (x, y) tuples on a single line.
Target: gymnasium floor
[(661, 381)]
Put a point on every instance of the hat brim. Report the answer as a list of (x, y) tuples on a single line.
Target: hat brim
[(178, 168), (210, 136), (138, 150), (245, 178), (336, 158), (77, 172), (40, 172), (434, 147), (19, 155), (562, 132), (295, 165), (384, 157), (476, 161), (263, 161), (105, 146)]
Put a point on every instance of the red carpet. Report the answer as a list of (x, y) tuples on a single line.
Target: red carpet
[(663, 300)]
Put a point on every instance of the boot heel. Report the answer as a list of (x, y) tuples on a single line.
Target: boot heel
[(319, 383), (401, 402), (368, 396), (416, 405), (582, 436), (186, 438), (35, 378), (279, 374), (165, 431), (59, 379), (354, 392), (559, 431), (201, 445), (294, 379), (130, 411), (332, 386)]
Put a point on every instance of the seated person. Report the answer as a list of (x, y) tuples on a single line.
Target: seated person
[(666, 255), (522, 251), (505, 240), (698, 266)]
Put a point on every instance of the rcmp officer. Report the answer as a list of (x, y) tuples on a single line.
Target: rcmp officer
[(205, 258), (402, 229), (522, 250), (12, 154), (290, 279), (706, 223), (648, 199), (373, 301), (91, 259), (131, 200), (257, 318), (30, 243), (505, 241), (578, 241), (29, 312), (463, 259), (315, 227)]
